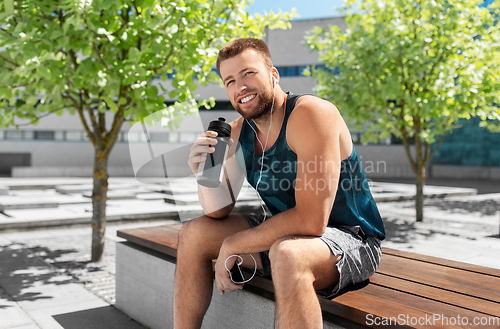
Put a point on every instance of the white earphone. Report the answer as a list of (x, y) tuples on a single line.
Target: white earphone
[(274, 81)]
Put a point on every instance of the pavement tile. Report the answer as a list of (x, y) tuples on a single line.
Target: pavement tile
[(78, 188), (33, 193), (151, 196), (4, 190), (49, 295), (11, 202), (11, 314), (122, 194), (29, 326), (48, 279), (40, 183), (42, 214), (47, 318)]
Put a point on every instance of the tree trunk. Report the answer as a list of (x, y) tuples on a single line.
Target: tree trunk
[(99, 197), (421, 149), (419, 202)]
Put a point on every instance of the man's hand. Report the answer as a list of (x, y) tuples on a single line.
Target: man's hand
[(222, 278), (201, 146)]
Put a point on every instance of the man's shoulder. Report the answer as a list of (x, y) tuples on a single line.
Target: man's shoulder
[(313, 120), (312, 102), (314, 110)]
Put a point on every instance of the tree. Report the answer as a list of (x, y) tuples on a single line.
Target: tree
[(411, 68), (92, 56)]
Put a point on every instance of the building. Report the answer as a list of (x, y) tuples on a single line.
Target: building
[(57, 146)]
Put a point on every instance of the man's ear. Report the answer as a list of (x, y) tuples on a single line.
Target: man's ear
[(274, 76)]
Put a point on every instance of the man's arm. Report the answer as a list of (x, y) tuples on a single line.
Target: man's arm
[(218, 202), (313, 133)]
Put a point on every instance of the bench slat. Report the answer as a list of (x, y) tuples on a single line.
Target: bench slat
[(472, 303), (442, 262), (373, 300), (160, 238), (453, 279)]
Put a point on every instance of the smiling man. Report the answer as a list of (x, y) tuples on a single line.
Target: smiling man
[(296, 150)]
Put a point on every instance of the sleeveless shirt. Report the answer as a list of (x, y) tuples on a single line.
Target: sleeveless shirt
[(354, 205)]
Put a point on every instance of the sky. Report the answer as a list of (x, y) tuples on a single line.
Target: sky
[(307, 9)]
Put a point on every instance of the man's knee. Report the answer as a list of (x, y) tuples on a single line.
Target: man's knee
[(193, 232), (287, 259)]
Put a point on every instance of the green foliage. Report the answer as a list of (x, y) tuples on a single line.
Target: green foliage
[(491, 121), (93, 55), (411, 68)]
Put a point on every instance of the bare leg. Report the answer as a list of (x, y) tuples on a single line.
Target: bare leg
[(299, 267), (199, 243)]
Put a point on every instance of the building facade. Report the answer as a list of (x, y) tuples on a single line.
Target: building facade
[(57, 146)]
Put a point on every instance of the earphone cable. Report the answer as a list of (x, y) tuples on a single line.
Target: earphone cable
[(262, 157)]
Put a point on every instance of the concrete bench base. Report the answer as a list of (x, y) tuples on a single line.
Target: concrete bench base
[(415, 286), (145, 285)]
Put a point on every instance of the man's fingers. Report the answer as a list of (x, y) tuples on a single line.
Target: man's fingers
[(224, 284), (217, 284), (197, 149), (234, 287), (200, 148), (206, 141), (211, 133)]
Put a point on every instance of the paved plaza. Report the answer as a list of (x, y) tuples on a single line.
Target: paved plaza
[(47, 280)]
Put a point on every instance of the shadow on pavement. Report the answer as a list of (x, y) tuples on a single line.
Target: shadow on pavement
[(400, 231), (23, 268), (106, 317), (487, 207)]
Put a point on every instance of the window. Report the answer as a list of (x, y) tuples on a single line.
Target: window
[(59, 135), (44, 135), (291, 71), (14, 135), (187, 137), (124, 137), (173, 137), (74, 136), (28, 135), (158, 137), (81, 136), (136, 137)]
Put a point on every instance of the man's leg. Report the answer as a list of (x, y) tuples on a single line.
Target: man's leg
[(199, 243), (301, 265)]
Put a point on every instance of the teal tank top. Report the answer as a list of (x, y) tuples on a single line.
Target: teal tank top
[(354, 205)]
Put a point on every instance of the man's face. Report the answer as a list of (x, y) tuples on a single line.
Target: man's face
[(248, 84)]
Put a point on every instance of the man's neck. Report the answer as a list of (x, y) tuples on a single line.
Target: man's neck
[(278, 112), (263, 132)]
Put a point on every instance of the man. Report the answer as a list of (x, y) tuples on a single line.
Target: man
[(325, 230)]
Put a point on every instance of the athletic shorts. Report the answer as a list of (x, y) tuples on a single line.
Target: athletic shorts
[(360, 254)]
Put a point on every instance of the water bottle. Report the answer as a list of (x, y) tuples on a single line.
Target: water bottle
[(211, 171)]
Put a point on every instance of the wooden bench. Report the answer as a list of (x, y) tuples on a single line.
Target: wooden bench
[(408, 290)]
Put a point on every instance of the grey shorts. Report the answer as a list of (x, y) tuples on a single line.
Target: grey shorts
[(360, 254)]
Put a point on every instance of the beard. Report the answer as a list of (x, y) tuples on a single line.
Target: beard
[(262, 108)]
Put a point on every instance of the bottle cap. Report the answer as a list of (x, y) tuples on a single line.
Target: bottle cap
[(220, 126)]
